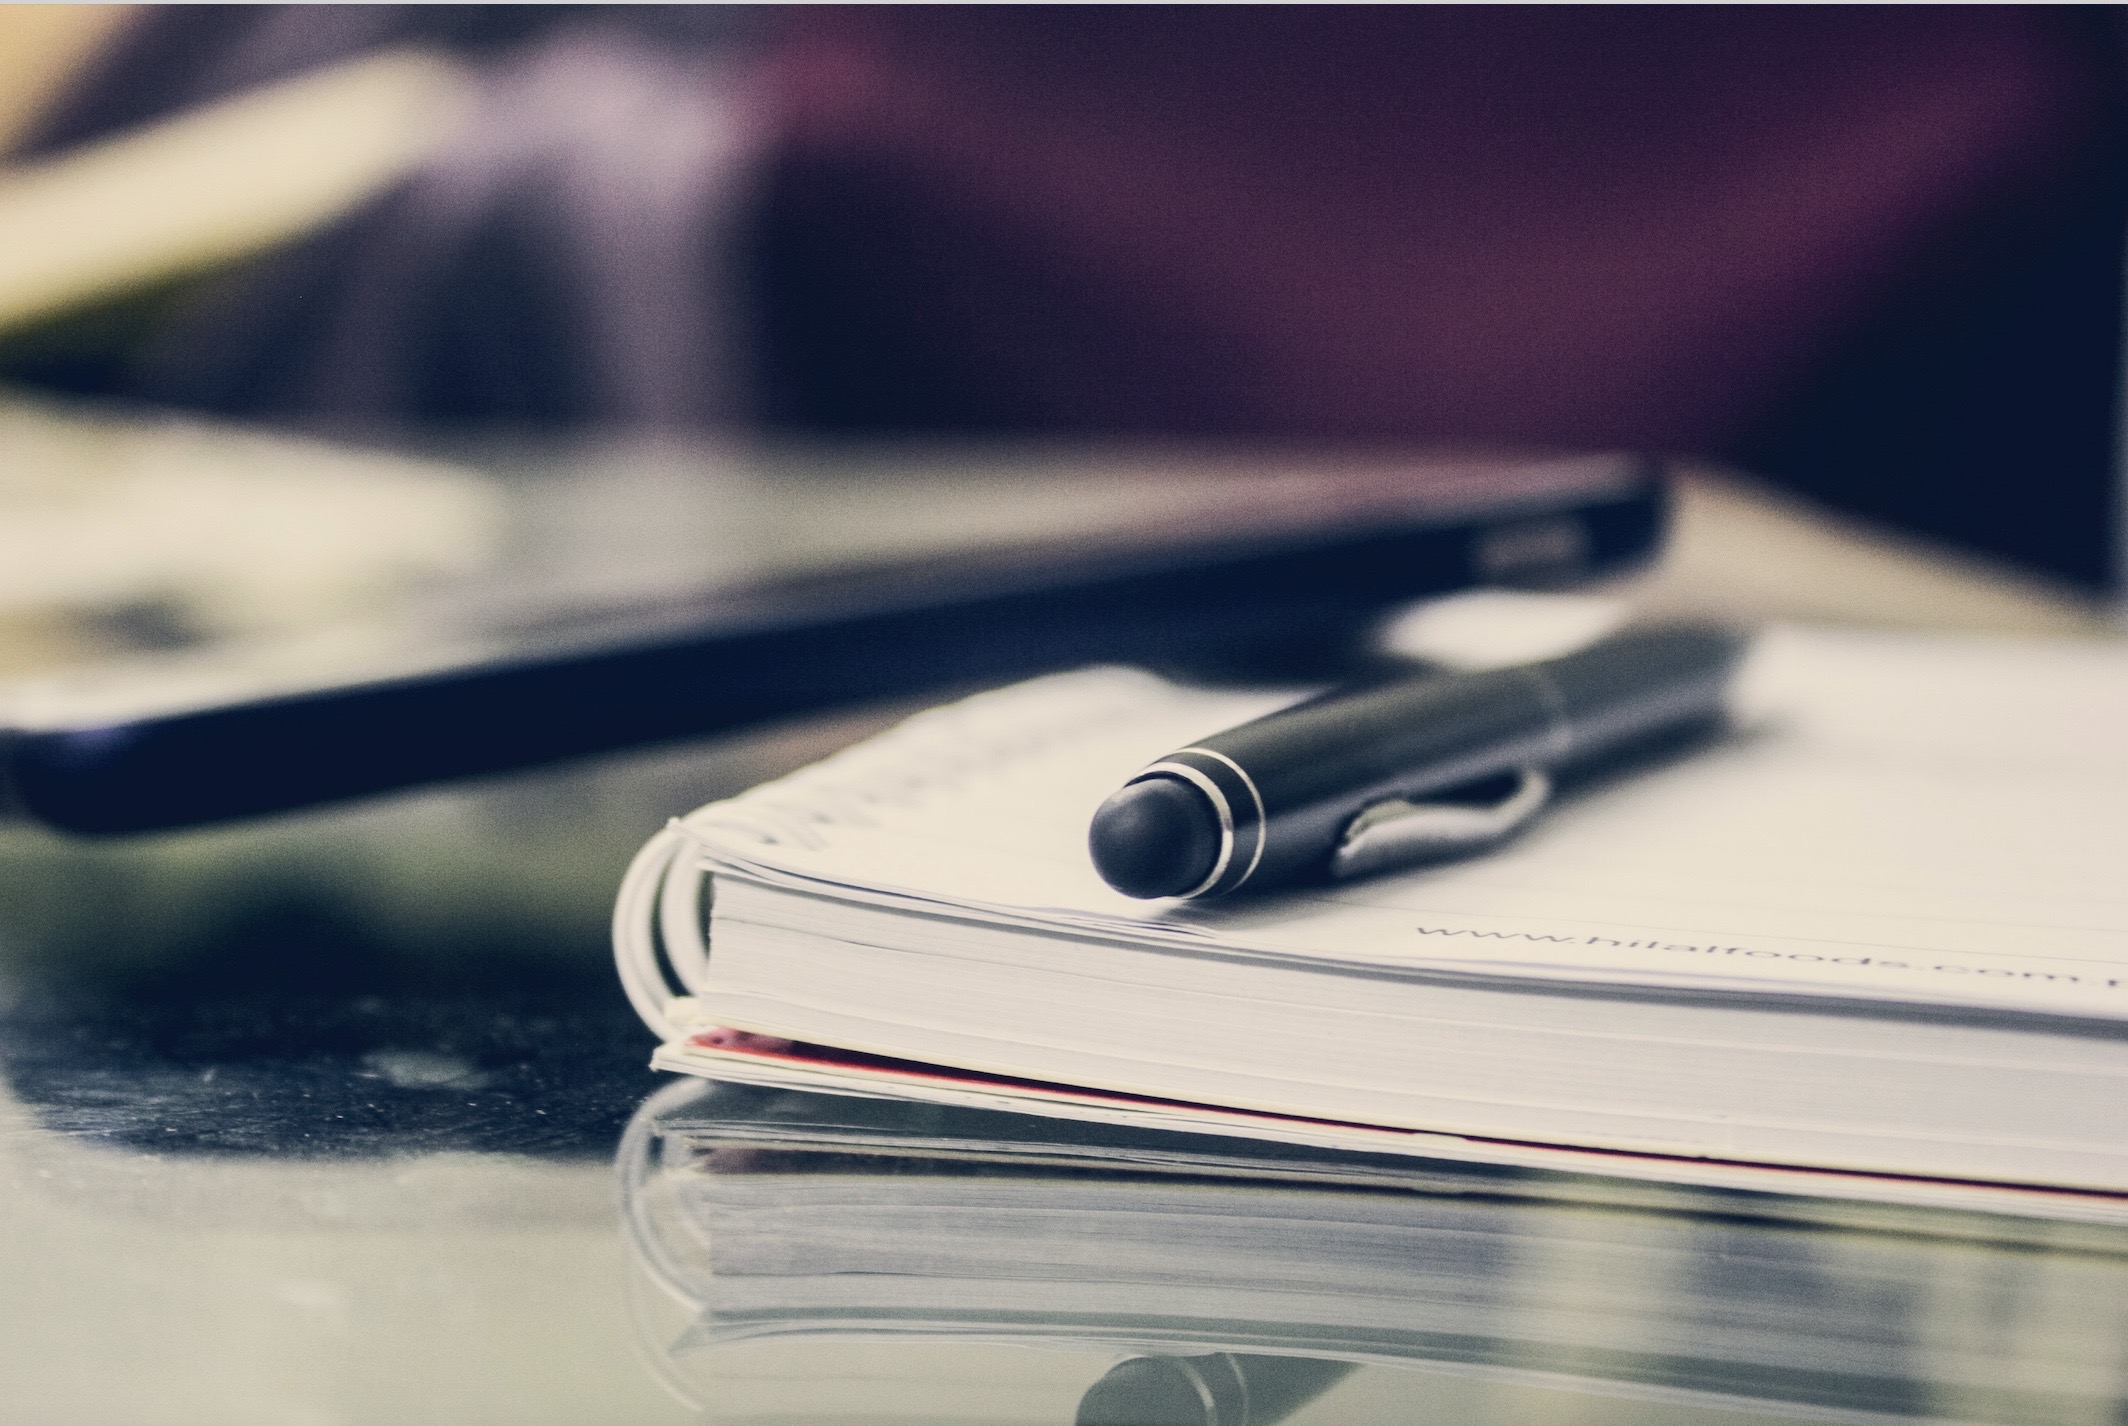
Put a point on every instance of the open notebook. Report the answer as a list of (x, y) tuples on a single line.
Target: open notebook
[(1877, 937)]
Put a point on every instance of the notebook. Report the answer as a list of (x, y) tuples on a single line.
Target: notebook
[(804, 1234), (1873, 942)]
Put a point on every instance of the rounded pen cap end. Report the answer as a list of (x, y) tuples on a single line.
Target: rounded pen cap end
[(1158, 836)]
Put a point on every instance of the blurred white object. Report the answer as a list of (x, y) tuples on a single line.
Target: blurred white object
[(1492, 628), (223, 532), (217, 183)]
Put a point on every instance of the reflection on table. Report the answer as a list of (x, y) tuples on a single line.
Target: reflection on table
[(811, 1258)]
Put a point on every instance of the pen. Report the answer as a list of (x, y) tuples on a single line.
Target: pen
[(1214, 1389), (1389, 773)]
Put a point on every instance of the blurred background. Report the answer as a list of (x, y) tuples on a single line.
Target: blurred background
[(1871, 253)]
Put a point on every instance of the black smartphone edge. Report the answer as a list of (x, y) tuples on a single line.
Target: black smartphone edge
[(757, 656)]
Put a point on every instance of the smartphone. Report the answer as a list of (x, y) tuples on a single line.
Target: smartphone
[(639, 599)]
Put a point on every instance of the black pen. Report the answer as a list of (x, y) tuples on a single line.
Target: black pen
[(1340, 784), (1211, 1389)]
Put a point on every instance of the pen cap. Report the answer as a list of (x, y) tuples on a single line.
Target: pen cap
[(1157, 836), (1309, 770), (1270, 801)]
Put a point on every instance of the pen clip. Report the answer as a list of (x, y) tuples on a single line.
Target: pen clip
[(1397, 833)]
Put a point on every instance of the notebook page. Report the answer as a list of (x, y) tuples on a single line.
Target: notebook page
[(1908, 818)]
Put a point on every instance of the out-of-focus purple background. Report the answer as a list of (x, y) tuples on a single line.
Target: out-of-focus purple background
[(1872, 252)]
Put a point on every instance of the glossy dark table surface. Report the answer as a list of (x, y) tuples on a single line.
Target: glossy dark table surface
[(314, 1120)]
